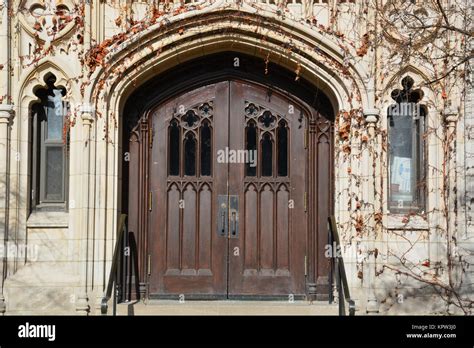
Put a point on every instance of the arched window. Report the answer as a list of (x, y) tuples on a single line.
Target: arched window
[(190, 154), (190, 142), (267, 155), (266, 135), (49, 148), (173, 148), (282, 150), (251, 145), (206, 148), (406, 128)]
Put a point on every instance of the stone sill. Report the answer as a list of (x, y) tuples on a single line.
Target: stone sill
[(49, 219), (395, 222)]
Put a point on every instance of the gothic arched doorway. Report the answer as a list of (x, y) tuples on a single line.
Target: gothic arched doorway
[(229, 181)]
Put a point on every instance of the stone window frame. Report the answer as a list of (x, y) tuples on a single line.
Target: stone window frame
[(411, 96), (38, 144)]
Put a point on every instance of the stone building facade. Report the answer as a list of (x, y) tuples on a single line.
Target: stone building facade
[(404, 214)]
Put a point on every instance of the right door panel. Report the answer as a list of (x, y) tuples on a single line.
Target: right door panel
[(267, 254)]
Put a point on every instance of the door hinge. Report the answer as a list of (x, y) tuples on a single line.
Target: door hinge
[(149, 265), (305, 198), (305, 265), (150, 200)]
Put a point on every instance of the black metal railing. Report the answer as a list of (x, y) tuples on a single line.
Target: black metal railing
[(124, 276), (337, 275)]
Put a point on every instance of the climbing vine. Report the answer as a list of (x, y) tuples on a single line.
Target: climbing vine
[(383, 40)]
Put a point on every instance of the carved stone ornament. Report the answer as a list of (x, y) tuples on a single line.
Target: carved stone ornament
[(48, 20), (412, 23)]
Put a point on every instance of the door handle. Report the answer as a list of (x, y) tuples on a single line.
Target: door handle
[(222, 215), (228, 216), (234, 216), (223, 222), (233, 223)]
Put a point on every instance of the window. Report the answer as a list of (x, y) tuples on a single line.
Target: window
[(190, 141), (406, 128), (206, 148), (251, 147), (49, 148), (173, 168), (272, 147), (282, 136), (190, 155), (267, 155)]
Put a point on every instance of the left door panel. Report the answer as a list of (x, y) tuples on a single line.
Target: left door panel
[(187, 255)]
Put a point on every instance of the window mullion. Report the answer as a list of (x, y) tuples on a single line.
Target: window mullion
[(42, 175)]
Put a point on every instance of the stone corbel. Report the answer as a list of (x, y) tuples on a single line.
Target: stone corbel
[(371, 118), (87, 114), (6, 111), (450, 115)]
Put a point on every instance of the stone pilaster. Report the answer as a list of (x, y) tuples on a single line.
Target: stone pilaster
[(82, 304), (450, 116), (6, 111), (372, 163)]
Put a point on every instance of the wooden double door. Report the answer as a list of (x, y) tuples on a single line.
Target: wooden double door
[(228, 182)]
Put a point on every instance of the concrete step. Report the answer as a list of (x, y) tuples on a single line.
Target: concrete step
[(229, 307), (41, 288)]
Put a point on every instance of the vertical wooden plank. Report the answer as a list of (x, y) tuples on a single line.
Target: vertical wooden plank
[(172, 235), (266, 228), (250, 234), (205, 228), (188, 257), (282, 229)]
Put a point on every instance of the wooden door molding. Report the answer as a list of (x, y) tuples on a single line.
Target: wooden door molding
[(320, 202), (138, 204)]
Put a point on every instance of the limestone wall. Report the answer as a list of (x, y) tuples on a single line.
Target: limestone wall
[(101, 50)]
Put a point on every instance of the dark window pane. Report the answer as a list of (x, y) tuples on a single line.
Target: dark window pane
[(190, 118), (54, 173), (267, 155), (206, 149), (267, 119), (173, 149), (55, 115), (251, 145), (282, 136), (402, 162), (190, 155)]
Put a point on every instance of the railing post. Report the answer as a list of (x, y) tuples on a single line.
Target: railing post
[(340, 291), (337, 267), (114, 299), (331, 266)]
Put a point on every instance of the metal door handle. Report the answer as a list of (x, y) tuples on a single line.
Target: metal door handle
[(233, 224), (222, 215), (223, 223), (234, 216)]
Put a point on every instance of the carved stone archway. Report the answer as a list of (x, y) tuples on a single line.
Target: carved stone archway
[(132, 61)]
